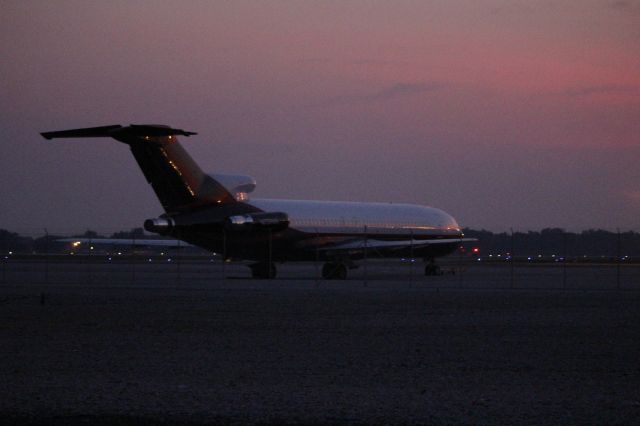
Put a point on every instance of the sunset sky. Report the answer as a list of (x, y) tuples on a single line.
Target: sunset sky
[(522, 114)]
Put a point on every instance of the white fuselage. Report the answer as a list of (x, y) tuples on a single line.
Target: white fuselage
[(371, 218)]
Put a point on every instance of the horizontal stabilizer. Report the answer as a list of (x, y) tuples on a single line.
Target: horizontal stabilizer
[(138, 242), (116, 130), (88, 132)]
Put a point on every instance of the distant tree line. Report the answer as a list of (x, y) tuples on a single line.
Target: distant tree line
[(557, 241), (547, 242), (48, 243)]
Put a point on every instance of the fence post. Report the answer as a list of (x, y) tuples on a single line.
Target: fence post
[(317, 257), (5, 255), (90, 279), (178, 261), (618, 256), (46, 256), (511, 259), (224, 253), (411, 260), (270, 254), (133, 259), (564, 259), (460, 263), (365, 256)]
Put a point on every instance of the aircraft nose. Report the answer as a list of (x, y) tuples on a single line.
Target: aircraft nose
[(447, 221)]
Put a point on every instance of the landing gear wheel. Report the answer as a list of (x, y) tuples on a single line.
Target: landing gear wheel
[(334, 271), (432, 269), (263, 270)]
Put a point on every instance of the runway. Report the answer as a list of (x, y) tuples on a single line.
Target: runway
[(133, 344)]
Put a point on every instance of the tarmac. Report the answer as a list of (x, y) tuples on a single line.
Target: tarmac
[(150, 343)]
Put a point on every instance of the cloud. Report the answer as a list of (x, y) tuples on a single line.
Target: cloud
[(380, 62), (315, 60), (392, 92), (512, 9), (632, 196), (624, 6), (603, 89), (619, 4)]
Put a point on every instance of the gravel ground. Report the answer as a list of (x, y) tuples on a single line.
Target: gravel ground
[(350, 355)]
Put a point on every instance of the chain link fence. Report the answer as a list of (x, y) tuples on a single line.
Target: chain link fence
[(549, 259)]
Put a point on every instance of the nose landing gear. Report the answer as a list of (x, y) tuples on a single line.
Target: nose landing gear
[(263, 270), (334, 271)]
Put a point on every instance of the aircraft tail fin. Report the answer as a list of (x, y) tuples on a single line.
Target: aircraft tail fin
[(177, 180)]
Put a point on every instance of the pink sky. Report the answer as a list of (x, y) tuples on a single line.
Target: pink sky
[(503, 113)]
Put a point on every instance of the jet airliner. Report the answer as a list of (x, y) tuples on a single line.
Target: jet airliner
[(214, 211)]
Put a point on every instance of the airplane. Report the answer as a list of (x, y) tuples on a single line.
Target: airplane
[(213, 211)]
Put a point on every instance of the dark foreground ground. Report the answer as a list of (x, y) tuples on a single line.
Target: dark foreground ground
[(297, 352)]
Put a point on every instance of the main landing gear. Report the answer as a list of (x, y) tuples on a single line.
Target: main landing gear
[(337, 269), (331, 270), (263, 270), (431, 268), (334, 271)]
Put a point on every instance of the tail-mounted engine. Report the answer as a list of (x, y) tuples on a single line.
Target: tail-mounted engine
[(159, 226), (275, 221)]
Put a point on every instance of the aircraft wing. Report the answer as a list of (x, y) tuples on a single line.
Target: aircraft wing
[(370, 243), (126, 242)]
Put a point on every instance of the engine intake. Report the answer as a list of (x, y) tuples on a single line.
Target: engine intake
[(273, 221), (159, 226)]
